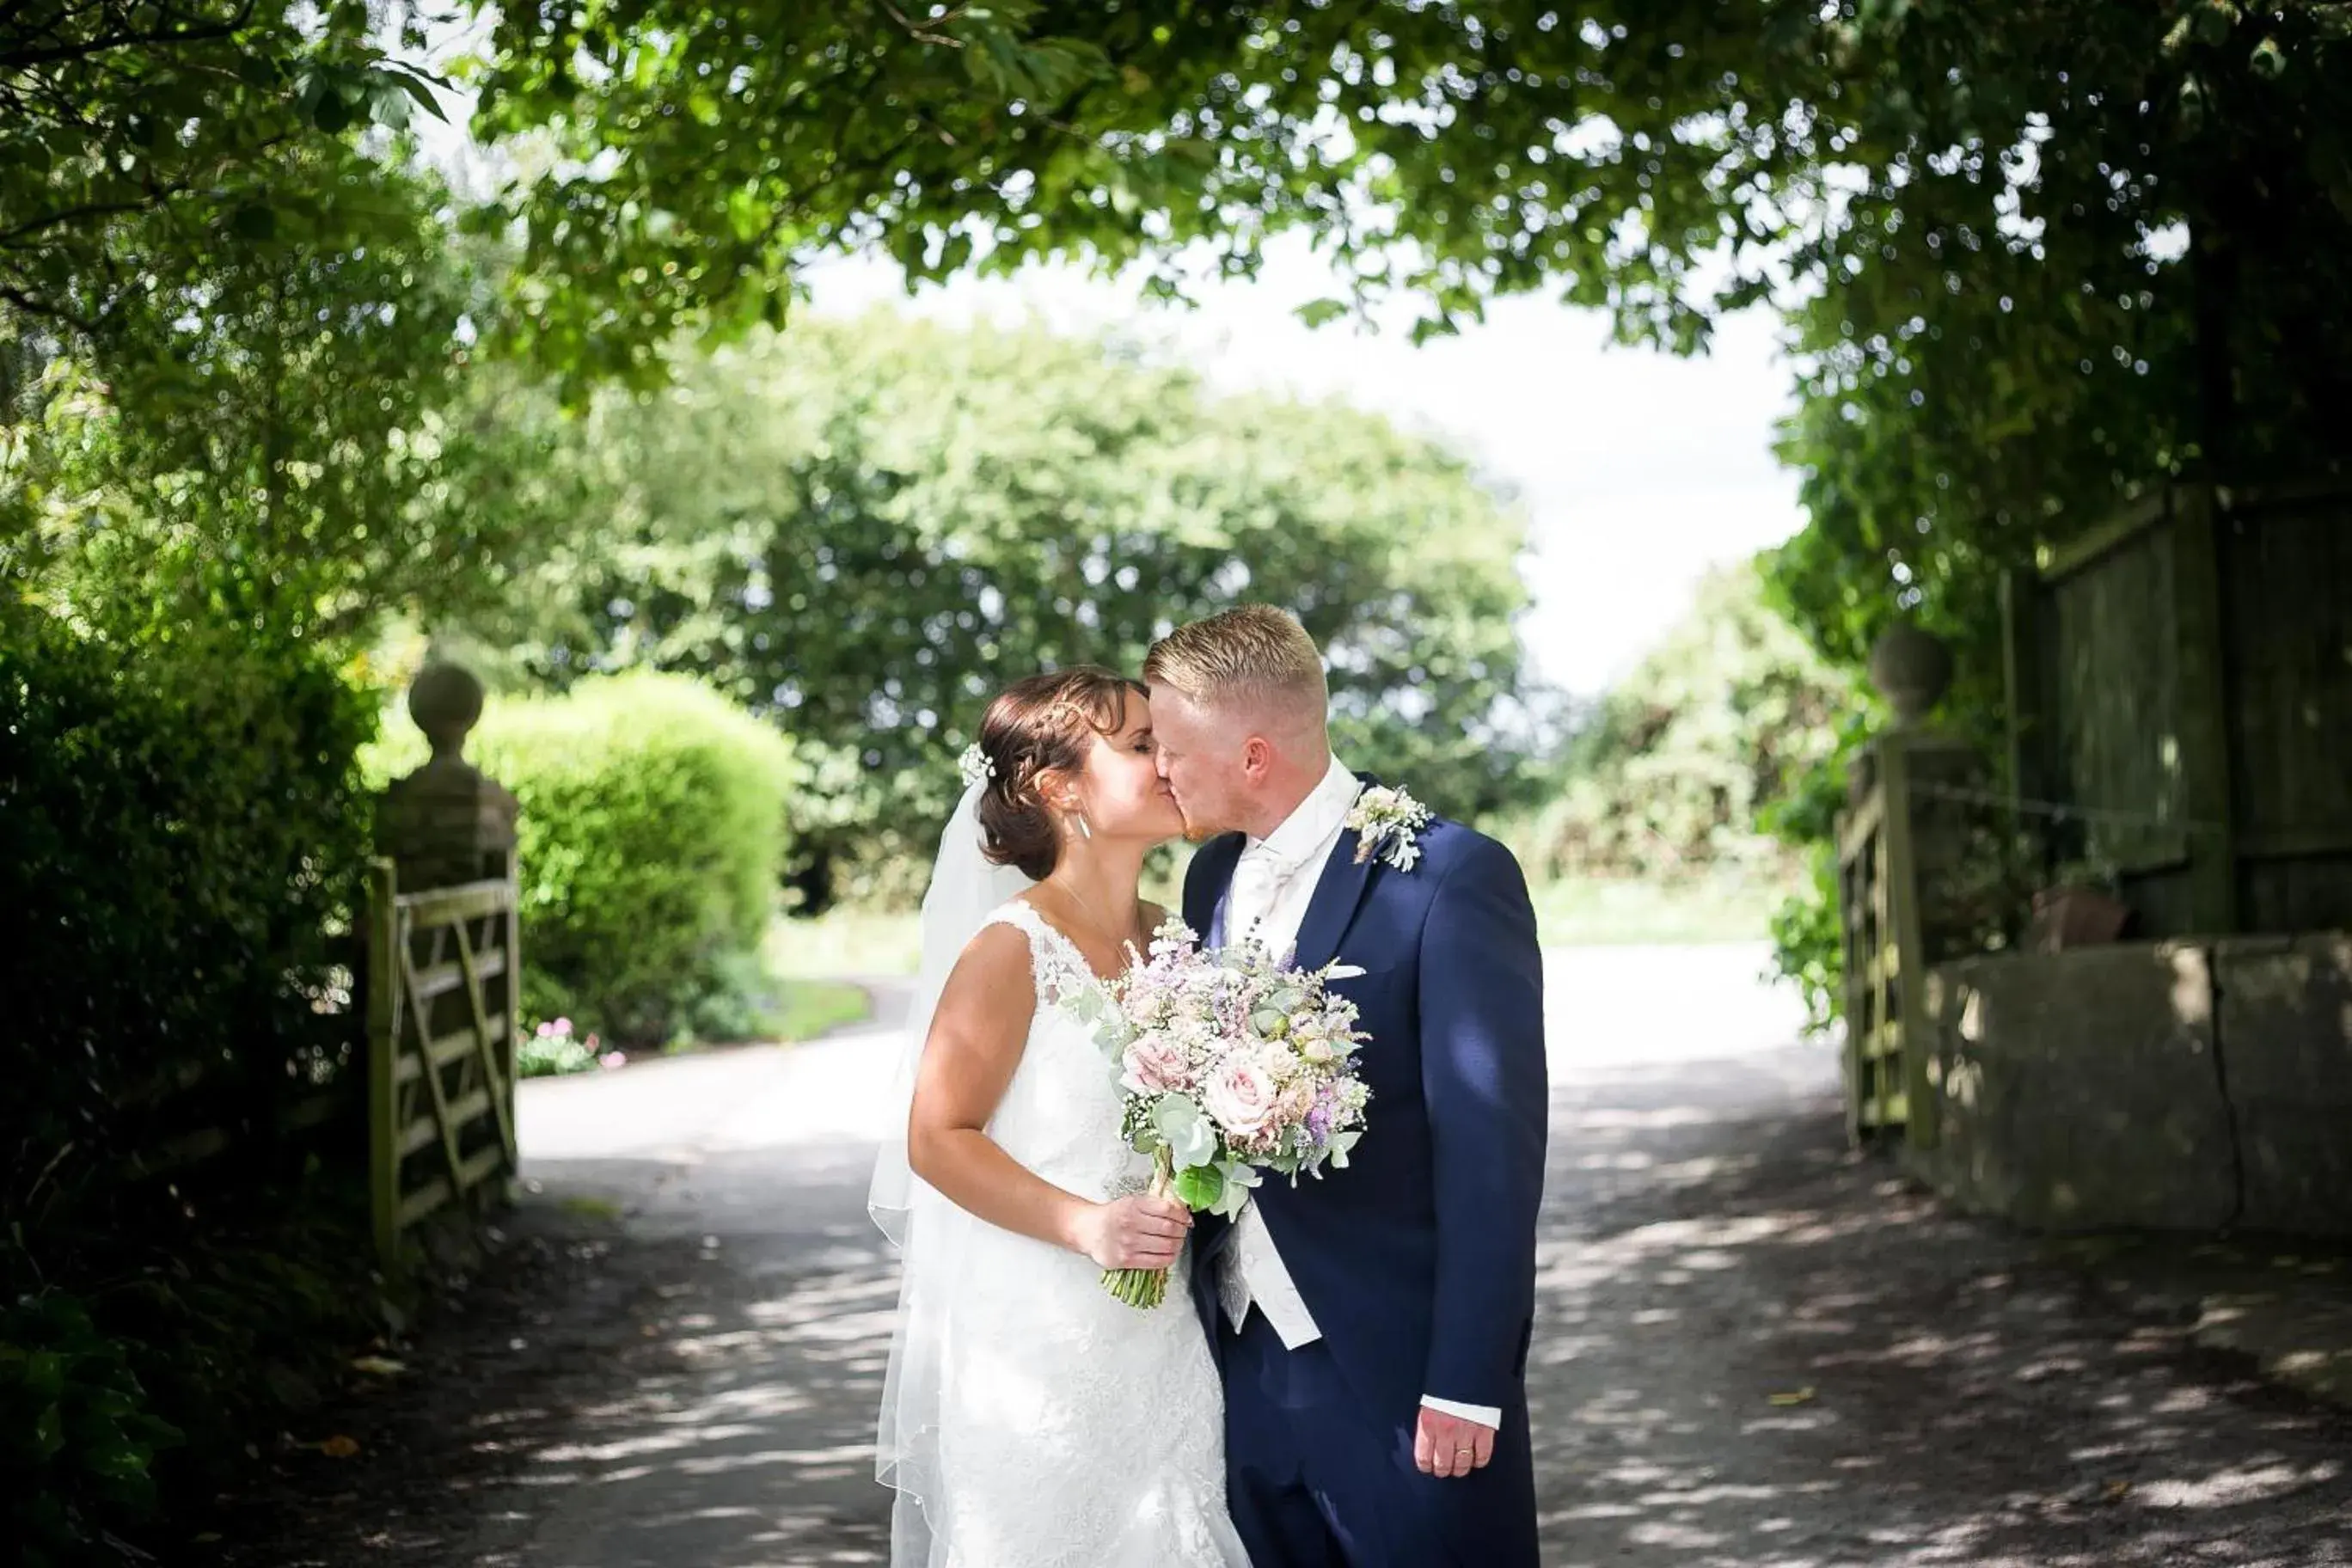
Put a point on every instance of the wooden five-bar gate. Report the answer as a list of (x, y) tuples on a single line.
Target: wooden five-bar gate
[(438, 963), (444, 968), (1921, 878)]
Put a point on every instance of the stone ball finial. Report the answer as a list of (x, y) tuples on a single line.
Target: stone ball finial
[(446, 702), (1912, 669)]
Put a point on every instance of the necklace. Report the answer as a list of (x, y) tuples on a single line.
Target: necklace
[(1102, 928)]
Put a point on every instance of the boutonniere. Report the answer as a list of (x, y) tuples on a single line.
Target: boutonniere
[(1386, 822)]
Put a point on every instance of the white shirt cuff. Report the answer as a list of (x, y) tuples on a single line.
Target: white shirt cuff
[(1484, 1414)]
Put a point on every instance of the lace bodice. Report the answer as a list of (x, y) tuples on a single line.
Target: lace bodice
[(1060, 1114)]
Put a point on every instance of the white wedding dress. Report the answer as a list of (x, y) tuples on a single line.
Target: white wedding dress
[(1031, 1420)]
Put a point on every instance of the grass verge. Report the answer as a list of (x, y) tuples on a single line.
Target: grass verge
[(1611, 912), (1577, 913), (808, 1008), (845, 942)]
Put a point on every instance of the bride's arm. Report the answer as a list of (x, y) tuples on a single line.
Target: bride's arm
[(976, 1039)]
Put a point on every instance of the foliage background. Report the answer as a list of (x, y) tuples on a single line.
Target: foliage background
[(861, 529), (1671, 775), (186, 819), (267, 388)]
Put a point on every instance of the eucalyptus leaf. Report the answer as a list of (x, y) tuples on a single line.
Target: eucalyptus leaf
[(1181, 1125), (1240, 1180)]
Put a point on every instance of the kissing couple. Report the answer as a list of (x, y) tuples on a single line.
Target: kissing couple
[(1337, 1376)]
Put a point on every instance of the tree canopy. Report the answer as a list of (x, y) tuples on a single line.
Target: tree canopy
[(2032, 258), (140, 136), (1665, 160), (864, 528)]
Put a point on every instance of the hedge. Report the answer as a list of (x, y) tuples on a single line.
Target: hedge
[(183, 836), (654, 829)]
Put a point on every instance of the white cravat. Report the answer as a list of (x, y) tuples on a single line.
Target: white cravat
[(1274, 881)]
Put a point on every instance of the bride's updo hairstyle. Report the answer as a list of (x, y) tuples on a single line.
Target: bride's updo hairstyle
[(1042, 724)]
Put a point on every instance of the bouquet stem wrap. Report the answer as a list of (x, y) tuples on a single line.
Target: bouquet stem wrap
[(1145, 1286)]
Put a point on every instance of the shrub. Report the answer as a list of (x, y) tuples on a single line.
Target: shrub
[(653, 830), (189, 825), (77, 1440), (1673, 772), (181, 825)]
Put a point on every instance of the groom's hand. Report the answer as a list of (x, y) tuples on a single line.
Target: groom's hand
[(1447, 1446)]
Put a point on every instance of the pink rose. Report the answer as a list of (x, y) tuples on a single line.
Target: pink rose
[(1240, 1097), (1153, 1063)]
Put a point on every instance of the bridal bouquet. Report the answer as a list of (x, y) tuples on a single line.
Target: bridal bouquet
[(1233, 1065)]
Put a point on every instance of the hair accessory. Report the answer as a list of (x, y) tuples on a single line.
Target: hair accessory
[(975, 766)]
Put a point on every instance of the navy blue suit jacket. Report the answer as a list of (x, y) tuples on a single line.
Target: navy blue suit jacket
[(1418, 1260)]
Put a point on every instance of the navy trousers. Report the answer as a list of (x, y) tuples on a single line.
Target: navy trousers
[(1313, 1483)]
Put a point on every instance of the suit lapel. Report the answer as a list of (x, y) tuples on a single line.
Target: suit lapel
[(1211, 874), (1333, 907)]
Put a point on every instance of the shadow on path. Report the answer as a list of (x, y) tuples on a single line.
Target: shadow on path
[(1753, 1350), (1756, 1350)]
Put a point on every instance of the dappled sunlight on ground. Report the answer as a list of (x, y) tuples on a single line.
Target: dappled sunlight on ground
[(1753, 1350), (1756, 1350), (744, 1433)]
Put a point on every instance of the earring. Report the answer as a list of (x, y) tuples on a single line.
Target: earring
[(1086, 828)]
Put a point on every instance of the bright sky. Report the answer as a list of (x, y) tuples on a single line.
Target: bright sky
[(1638, 471)]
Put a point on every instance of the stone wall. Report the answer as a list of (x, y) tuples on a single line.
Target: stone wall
[(2177, 1086), (2285, 1011)]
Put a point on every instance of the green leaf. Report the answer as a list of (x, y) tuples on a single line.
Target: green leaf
[(45, 1374), (2215, 19), (1184, 1128), (388, 106), (420, 93), (1240, 1181), (1199, 1188), (2192, 105), (49, 1433)]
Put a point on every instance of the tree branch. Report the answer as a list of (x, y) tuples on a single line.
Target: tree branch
[(63, 54), (33, 306), (16, 238)]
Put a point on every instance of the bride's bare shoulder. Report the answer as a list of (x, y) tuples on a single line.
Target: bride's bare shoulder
[(998, 946), (991, 981)]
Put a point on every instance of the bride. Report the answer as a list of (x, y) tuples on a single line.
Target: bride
[(1030, 1420)]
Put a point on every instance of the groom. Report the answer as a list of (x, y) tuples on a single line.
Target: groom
[(1371, 1327)]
